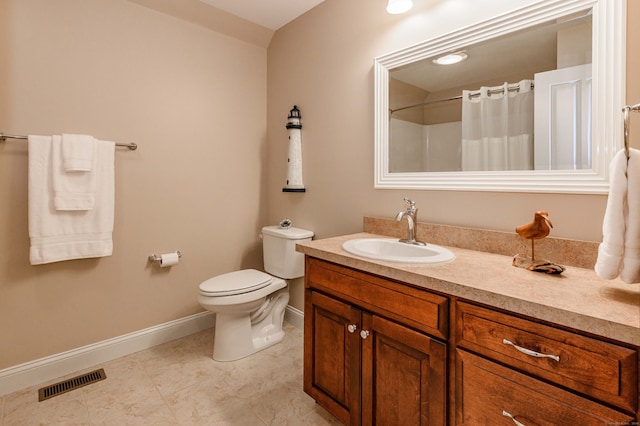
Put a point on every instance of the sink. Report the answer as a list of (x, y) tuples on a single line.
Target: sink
[(392, 250)]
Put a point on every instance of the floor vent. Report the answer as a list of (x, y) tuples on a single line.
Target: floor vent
[(71, 384)]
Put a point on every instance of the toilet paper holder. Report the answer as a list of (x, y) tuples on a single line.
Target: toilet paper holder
[(156, 258)]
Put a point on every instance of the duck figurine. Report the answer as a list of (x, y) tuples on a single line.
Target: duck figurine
[(539, 228)]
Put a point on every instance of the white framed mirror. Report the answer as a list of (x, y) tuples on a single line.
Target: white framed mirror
[(600, 92)]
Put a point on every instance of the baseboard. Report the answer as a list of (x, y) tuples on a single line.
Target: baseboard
[(294, 316), (55, 366)]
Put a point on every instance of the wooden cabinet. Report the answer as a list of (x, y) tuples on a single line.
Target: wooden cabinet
[(379, 352), (366, 368)]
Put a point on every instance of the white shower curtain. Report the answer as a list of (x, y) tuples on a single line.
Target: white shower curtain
[(497, 128)]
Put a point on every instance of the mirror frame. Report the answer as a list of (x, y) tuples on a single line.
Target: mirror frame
[(608, 91)]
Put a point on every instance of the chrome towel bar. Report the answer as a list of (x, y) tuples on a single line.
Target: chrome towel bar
[(3, 137), (626, 110)]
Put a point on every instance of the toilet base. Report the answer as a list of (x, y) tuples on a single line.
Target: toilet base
[(238, 335)]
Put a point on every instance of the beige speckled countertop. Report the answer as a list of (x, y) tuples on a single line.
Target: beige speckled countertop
[(577, 298)]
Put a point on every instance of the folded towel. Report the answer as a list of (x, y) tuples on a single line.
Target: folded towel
[(64, 235), (72, 190), (619, 252), (77, 152)]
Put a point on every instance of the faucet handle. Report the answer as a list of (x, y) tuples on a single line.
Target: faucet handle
[(412, 204)]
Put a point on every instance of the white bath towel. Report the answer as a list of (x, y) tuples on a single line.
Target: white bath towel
[(77, 152), (619, 252), (64, 235), (73, 190)]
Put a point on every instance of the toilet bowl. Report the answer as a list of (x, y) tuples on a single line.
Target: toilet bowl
[(250, 304), (249, 307)]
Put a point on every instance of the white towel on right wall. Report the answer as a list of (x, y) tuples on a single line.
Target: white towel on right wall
[(619, 252)]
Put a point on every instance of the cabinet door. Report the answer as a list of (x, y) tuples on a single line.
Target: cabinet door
[(332, 356), (403, 375)]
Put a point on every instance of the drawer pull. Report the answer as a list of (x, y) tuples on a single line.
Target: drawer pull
[(530, 352), (352, 328), (517, 423), (364, 334)]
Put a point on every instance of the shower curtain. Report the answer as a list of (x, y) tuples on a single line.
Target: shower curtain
[(497, 128)]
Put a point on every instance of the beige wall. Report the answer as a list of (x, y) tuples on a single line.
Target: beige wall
[(323, 62), (194, 101)]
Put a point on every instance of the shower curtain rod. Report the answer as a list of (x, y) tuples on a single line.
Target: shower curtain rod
[(3, 137), (455, 98)]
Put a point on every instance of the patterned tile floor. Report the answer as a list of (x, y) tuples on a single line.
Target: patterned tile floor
[(178, 383)]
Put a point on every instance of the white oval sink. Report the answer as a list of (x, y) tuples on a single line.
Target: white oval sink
[(392, 250)]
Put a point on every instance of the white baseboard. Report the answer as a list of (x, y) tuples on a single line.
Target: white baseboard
[(54, 366), (294, 316)]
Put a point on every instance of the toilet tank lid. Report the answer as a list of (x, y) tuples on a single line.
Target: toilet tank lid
[(287, 233), (235, 282)]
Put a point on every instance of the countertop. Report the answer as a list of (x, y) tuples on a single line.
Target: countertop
[(577, 298)]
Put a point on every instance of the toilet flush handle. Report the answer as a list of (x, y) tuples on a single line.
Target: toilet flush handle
[(285, 223)]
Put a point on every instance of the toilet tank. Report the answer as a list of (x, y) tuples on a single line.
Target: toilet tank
[(279, 251)]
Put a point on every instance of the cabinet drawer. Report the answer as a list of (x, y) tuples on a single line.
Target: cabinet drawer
[(589, 366), (416, 308), (490, 394)]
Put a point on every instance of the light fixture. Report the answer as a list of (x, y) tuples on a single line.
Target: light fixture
[(451, 58), (399, 6)]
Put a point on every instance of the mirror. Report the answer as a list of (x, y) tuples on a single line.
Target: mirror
[(565, 105)]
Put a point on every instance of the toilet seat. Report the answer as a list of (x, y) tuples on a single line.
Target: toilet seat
[(237, 282)]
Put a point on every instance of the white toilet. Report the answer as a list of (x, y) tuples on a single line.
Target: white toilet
[(250, 304)]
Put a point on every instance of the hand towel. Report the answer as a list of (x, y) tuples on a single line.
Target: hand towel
[(619, 252), (73, 190), (63, 235), (77, 152)]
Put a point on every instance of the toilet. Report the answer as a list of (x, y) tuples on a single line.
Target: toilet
[(250, 304)]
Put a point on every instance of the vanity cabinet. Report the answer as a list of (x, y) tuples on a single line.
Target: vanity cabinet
[(379, 351), (362, 363)]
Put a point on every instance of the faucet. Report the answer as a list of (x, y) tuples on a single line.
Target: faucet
[(411, 214)]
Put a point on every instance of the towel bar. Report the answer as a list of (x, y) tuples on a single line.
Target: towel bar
[(3, 137), (626, 110)]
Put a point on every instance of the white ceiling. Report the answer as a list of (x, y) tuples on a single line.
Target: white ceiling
[(272, 14)]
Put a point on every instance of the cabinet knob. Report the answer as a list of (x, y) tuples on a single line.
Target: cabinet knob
[(352, 328), (364, 334)]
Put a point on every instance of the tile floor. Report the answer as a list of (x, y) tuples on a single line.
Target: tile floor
[(178, 383)]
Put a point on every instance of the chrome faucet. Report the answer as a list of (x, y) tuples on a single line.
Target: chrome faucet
[(411, 214)]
